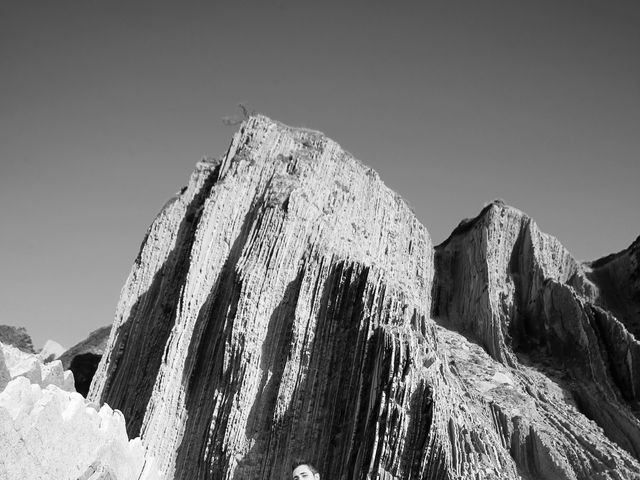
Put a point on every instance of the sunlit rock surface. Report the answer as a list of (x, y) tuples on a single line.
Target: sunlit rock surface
[(16, 363), (49, 432), (281, 306), (521, 295)]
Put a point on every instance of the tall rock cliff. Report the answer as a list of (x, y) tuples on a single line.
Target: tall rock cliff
[(281, 307)]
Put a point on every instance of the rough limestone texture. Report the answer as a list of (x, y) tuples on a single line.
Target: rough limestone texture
[(521, 295), (49, 432), (284, 305), (83, 358), (16, 363)]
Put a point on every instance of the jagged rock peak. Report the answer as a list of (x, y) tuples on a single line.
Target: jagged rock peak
[(506, 251), (526, 300), (618, 279), (280, 307), (262, 293)]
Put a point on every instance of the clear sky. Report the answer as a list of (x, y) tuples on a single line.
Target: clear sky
[(106, 106)]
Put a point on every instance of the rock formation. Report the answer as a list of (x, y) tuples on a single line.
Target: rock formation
[(284, 305), (16, 336), (16, 363), (49, 432), (83, 358), (51, 350), (618, 279), (533, 307)]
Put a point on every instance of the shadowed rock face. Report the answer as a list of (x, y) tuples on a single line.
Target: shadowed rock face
[(84, 366), (83, 358), (281, 307), (618, 279)]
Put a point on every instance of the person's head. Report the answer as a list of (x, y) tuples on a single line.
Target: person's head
[(304, 471)]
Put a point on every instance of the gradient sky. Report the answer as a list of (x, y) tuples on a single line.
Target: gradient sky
[(106, 106)]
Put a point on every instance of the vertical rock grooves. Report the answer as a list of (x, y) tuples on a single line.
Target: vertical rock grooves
[(281, 307), (528, 302), (147, 309), (300, 272)]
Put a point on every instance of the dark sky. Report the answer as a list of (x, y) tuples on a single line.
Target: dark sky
[(106, 106)]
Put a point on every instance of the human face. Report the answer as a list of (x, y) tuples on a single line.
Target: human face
[(303, 472)]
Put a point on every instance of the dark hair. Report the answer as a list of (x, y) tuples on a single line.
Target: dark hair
[(297, 463)]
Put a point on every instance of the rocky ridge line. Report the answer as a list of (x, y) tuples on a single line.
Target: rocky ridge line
[(281, 306)]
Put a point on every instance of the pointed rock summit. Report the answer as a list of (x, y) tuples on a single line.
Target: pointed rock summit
[(286, 304)]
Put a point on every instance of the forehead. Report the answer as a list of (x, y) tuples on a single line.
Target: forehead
[(300, 469)]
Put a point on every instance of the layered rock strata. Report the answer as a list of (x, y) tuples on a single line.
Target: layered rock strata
[(618, 279), (281, 307), (529, 303), (261, 281)]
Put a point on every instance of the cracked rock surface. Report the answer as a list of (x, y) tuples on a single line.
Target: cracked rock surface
[(287, 304)]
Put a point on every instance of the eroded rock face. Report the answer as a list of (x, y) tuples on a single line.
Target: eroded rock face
[(281, 307), (530, 304), (618, 279), (248, 320)]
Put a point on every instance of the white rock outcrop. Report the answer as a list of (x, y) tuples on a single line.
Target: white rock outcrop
[(15, 363), (50, 432)]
